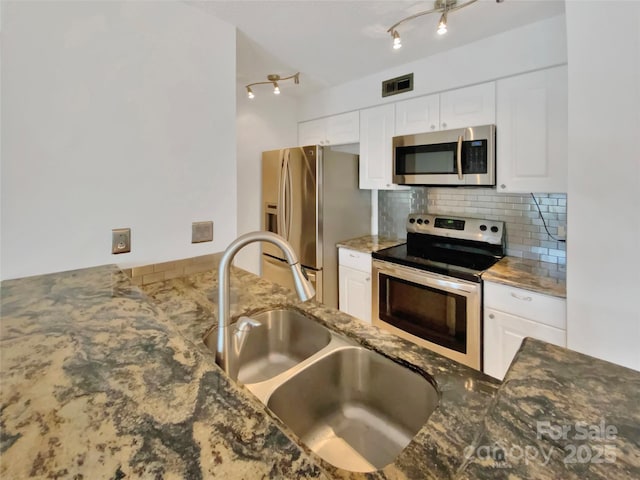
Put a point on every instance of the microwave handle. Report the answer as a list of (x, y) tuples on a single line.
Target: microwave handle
[(459, 157)]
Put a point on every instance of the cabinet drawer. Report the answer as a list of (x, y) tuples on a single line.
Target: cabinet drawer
[(525, 303), (354, 259)]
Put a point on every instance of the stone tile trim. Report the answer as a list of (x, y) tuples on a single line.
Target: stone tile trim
[(159, 272)]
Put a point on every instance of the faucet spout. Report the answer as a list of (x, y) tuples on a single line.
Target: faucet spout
[(305, 290)]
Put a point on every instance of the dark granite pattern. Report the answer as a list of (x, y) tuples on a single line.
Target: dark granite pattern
[(534, 275), (96, 383), (370, 243), (560, 414), (100, 380), (465, 393)]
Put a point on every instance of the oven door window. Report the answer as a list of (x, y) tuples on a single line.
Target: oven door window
[(434, 315)]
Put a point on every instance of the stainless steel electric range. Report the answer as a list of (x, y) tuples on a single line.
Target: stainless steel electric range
[(429, 290)]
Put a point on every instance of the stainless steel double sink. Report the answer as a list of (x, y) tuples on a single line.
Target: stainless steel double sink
[(352, 406)]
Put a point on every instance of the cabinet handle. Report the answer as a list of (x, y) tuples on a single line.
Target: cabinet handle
[(492, 316), (444, 125), (367, 279), (503, 186), (433, 127), (352, 255), (521, 297)]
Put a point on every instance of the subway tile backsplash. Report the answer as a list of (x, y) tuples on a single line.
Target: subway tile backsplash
[(525, 232)]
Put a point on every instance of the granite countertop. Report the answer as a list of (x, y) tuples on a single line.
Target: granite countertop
[(465, 394), (103, 380), (534, 275), (370, 243), (561, 415)]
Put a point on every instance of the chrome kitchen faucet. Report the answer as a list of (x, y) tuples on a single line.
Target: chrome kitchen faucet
[(305, 290)]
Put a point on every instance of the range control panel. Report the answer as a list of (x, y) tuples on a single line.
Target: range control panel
[(489, 231)]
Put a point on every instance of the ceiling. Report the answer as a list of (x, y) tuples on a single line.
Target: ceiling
[(332, 42)]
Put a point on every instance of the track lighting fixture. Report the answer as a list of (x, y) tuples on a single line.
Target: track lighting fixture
[(273, 79), (442, 24), (439, 6)]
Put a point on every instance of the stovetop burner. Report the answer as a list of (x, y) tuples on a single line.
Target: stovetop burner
[(454, 246)]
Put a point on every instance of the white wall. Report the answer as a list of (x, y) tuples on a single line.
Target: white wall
[(534, 46), (114, 114), (603, 284), (267, 122)]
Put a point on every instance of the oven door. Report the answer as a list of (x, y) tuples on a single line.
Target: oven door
[(438, 312)]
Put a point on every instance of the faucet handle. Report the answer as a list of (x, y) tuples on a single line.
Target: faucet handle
[(244, 324)]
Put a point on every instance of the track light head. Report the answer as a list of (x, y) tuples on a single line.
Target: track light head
[(397, 42), (442, 24)]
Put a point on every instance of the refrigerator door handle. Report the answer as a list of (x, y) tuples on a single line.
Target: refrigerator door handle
[(289, 208), (281, 195)]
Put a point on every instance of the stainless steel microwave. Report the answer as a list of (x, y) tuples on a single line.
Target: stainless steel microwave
[(459, 157)]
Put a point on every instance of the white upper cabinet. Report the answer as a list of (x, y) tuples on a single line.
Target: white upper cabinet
[(312, 132), (464, 107), (468, 107), (376, 133), (418, 115), (343, 129), (335, 130), (531, 133)]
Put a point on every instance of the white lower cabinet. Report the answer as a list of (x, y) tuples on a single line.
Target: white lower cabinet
[(354, 278), (510, 315)]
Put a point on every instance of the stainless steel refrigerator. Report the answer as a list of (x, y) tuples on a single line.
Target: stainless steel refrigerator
[(310, 196)]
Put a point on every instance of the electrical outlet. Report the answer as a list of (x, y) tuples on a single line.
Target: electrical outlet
[(120, 240), (201, 232), (562, 232)]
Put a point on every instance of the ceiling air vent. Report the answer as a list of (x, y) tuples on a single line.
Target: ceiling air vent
[(397, 85)]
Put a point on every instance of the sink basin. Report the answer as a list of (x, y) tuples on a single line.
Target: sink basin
[(285, 339), (355, 408)]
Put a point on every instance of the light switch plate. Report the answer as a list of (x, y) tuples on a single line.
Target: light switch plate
[(120, 240), (201, 232)]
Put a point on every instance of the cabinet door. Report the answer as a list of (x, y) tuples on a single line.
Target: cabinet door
[(418, 115), (503, 334), (355, 293), (376, 133), (468, 107), (532, 122), (342, 129), (312, 132)]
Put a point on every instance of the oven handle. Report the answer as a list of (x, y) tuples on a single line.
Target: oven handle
[(426, 278), (459, 158)]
